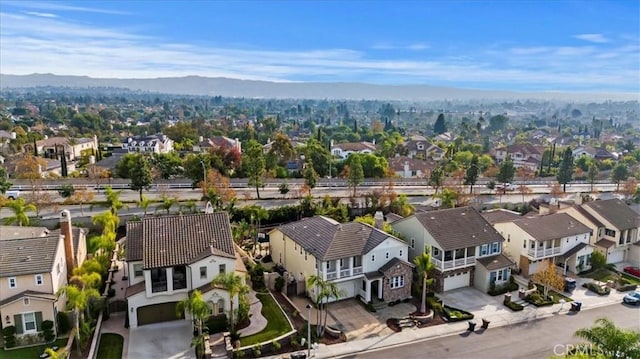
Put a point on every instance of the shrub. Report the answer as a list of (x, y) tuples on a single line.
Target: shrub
[(257, 352), (513, 306), (276, 345), (279, 284), (47, 331), (217, 324), (627, 287), (9, 335), (454, 314), (64, 324), (257, 277), (111, 293), (510, 286), (599, 290), (536, 299), (434, 303)]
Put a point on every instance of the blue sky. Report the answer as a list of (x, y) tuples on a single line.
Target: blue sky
[(548, 45)]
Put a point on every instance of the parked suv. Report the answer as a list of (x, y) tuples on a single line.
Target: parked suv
[(12, 194)]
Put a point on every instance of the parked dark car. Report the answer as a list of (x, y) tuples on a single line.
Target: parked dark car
[(634, 271)]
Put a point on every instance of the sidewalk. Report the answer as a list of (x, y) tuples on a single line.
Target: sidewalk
[(258, 321), (497, 315)]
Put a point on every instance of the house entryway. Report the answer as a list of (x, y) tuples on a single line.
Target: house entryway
[(158, 313), (375, 290)]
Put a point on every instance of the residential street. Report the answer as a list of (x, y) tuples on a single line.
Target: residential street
[(535, 339)]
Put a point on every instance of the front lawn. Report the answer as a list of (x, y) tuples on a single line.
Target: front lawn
[(277, 323), (110, 346), (604, 275), (31, 352)]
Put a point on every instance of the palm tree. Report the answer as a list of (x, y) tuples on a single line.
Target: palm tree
[(144, 203), (325, 290), (611, 341), (167, 203), (448, 196), (109, 222), (198, 308), (424, 265), (235, 286), (78, 299), (113, 200), (20, 209)]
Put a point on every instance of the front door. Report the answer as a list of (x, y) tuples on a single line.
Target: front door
[(375, 289)]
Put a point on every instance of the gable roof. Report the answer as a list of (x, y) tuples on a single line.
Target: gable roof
[(397, 164), (178, 240), (17, 232), (394, 261), (328, 240), (552, 226), (456, 228), (615, 212), (28, 255), (501, 215), (30, 294), (497, 261)]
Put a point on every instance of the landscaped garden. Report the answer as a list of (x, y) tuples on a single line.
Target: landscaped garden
[(277, 323), (621, 281), (31, 352), (110, 346)]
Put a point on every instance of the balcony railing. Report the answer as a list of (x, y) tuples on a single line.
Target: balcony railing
[(344, 273), (159, 286), (457, 263), (540, 253)]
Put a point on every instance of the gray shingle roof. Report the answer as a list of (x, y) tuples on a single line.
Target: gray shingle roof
[(574, 250), (457, 228), (589, 216), (134, 241), (552, 226), (16, 232), (605, 243), (28, 255), (500, 216), (177, 240), (328, 240), (392, 262), (616, 212), (30, 294), (495, 262)]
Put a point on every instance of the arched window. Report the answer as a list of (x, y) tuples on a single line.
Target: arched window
[(220, 307)]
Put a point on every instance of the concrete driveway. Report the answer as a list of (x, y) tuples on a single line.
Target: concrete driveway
[(355, 321), (170, 340)]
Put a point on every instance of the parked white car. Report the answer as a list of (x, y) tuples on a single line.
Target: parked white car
[(12, 194), (506, 187)]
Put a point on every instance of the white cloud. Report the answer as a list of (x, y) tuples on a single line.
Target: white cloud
[(41, 14), (33, 44), (418, 46), (52, 6), (597, 38)]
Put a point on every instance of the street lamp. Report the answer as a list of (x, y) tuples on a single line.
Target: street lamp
[(204, 176), (308, 330)]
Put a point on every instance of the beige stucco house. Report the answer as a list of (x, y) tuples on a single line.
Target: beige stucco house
[(558, 237), (362, 260), (614, 226), (465, 248), (168, 257)]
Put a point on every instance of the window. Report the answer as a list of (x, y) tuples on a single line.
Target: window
[(203, 272), (13, 282), (221, 306), (364, 285), (508, 238), (386, 255), (401, 253), (484, 249), (436, 251), (58, 268), (137, 270), (39, 279), (373, 257), (305, 255), (357, 261), (524, 243), (397, 282), (222, 268), (413, 243), (26, 301), (29, 322), (495, 247), (609, 232)]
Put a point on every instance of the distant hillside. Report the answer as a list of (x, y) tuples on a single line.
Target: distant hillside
[(218, 86)]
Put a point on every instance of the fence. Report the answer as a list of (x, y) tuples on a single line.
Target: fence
[(95, 342)]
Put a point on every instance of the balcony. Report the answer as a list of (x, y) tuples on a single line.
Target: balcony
[(344, 273), (542, 253), (454, 263)]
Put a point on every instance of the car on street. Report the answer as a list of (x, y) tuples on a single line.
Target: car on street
[(632, 298), (634, 271), (506, 187), (12, 194)]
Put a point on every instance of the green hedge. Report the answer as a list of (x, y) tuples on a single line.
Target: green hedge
[(537, 300), (452, 314), (510, 286), (513, 306)]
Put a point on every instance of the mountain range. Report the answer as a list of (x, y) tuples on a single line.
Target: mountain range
[(228, 87)]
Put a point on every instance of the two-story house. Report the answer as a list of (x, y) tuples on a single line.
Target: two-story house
[(32, 270), (169, 256), (614, 226), (523, 155), (73, 147), (406, 167), (558, 237), (465, 248), (343, 150), (362, 260), (421, 148), (148, 144)]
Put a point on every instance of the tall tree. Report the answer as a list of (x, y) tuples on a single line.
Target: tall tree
[(254, 165), (436, 178), (471, 175), (565, 172), (507, 171), (592, 175), (324, 291), (63, 164), (620, 173), (549, 277), (355, 173), (610, 341), (199, 310), (5, 185), (19, 208), (141, 175), (310, 175), (113, 201), (440, 126), (78, 298), (235, 286), (424, 266)]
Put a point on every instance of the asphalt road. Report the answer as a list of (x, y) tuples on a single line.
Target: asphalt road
[(536, 339)]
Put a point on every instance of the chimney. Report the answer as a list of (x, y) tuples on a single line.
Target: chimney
[(379, 220), (67, 232)]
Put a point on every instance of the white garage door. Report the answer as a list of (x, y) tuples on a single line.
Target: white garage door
[(347, 289), (615, 257), (457, 281)]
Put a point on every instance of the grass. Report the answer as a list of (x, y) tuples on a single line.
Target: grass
[(30, 352), (110, 346), (277, 323), (604, 275)]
